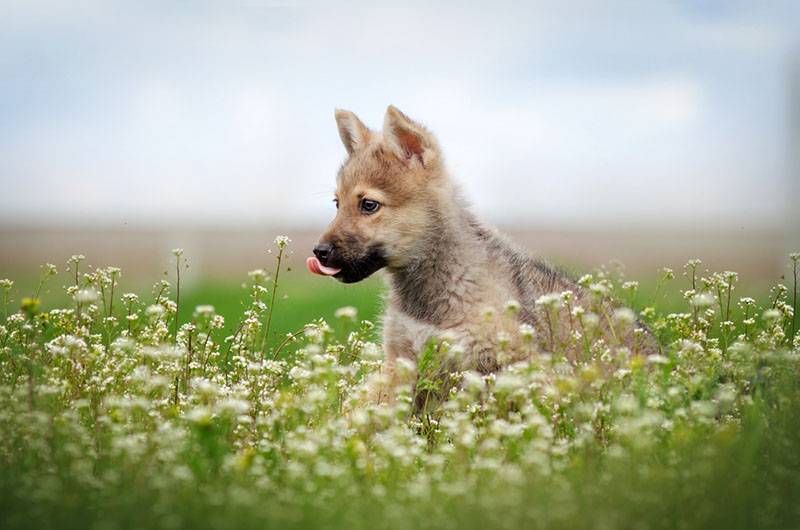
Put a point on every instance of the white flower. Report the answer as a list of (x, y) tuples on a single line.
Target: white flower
[(87, 296), (703, 408), (299, 373), (233, 406), (702, 300), (66, 344), (599, 289), (657, 359), (154, 311), (177, 252), (257, 275), (746, 301), (473, 381), (371, 351), (282, 241), (507, 382), (346, 313), (130, 298), (624, 316), (199, 415), (590, 320), (771, 315), (550, 300), (503, 339), (526, 331), (313, 333), (626, 404), (204, 310)]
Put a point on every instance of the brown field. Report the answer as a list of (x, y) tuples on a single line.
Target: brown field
[(758, 255)]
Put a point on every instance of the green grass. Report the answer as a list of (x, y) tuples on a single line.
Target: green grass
[(110, 425), (301, 297), (299, 301)]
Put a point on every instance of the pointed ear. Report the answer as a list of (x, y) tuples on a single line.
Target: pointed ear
[(408, 139), (354, 134)]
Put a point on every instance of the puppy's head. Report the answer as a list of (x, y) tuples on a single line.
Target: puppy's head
[(387, 198)]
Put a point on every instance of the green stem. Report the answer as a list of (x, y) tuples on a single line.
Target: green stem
[(177, 295), (746, 316), (41, 284), (285, 341), (728, 303), (189, 363), (794, 302), (103, 296), (105, 310), (694, 289), (271, 308), (206, 353), (111, 301), (230, 346), (160, 292)]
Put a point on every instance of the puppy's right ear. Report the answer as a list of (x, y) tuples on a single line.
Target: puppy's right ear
[(354, 134)]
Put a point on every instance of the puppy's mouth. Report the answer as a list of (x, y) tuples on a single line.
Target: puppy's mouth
[(316, 267), (349, 271)]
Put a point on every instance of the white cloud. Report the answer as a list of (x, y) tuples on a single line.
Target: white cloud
[(226, 114)]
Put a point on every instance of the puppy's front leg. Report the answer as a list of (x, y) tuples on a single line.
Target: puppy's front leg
[(398, 370)]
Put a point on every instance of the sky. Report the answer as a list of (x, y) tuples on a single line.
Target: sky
[(549, 114)]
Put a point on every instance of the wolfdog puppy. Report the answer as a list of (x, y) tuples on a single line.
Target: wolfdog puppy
[(450, 276)]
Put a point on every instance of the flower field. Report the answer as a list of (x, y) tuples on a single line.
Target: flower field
[(117, 413)]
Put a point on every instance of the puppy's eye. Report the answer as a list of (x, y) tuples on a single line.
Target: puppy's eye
[(369, 206), (336, 202)]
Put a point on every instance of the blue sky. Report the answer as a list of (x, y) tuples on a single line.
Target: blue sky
[(563, 113)]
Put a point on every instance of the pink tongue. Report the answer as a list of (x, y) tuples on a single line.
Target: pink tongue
[(315, 267)]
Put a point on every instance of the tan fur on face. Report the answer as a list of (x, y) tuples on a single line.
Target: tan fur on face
[(398, 168)]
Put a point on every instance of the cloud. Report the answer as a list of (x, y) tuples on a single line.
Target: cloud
[(211, 114)]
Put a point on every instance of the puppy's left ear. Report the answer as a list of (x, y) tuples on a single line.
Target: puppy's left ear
[(407, 139)]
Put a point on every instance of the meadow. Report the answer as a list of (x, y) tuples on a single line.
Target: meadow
[(245, 405)]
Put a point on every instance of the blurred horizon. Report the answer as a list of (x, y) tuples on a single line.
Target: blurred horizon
[(673, 114), (650, 133), (760, 256)]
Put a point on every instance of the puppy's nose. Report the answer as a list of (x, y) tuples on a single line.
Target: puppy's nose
[(323, 252)]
